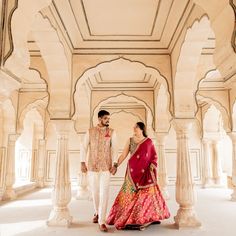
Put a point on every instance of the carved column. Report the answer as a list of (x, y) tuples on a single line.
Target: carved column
[(162, 171), (206, 168), (61, 194), (2, 171), (10, 168), (34, 155), (41, 162), (185, 194), (216, 167), (3, 157), (233, 138), (82, 192)]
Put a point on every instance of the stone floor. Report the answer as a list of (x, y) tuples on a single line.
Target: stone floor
[(27, 215)]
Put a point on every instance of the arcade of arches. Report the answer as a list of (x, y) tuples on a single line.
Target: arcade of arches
[(170, 64)]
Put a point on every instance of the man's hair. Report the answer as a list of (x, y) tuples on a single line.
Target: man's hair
[(103, 113)]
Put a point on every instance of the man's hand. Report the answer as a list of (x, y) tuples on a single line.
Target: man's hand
[(113, 170), (83, 167)]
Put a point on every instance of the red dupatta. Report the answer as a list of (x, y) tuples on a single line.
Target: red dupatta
[(142, 165)]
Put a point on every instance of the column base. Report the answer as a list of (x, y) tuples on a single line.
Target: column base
[(82, 194), (207, 184), (186, 218), (9, 194), (40, 184), (218, 181), (59, 216), (233, 195)]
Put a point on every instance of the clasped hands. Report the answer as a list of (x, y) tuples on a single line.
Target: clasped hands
[(113, 170)]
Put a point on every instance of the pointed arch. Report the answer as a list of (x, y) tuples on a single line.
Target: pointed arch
[(149, 114), (128, 63), (220, 107), (185, 83)]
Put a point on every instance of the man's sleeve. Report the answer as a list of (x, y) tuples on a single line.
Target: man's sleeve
[(84, 147)]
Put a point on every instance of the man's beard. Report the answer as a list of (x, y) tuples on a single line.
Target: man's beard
[(105, 124)]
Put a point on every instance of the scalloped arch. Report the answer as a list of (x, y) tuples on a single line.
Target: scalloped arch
[(221, 108)]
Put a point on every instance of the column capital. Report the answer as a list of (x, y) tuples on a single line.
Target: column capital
[(81, 134), (42, 141), (182, 126), (62, 127), (160, 137), (13, 137), (183, 123), (206, 141)]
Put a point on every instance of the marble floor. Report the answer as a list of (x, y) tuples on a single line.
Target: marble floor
[(27, 215)]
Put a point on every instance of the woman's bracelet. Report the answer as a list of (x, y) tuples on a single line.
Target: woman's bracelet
[(115, 164)]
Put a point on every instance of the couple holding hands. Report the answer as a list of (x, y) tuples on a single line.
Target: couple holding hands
[(139, 202)]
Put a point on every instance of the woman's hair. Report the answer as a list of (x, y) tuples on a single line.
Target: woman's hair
[(142, 126)]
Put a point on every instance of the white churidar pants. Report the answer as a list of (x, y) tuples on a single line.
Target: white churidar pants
[(99, 186)]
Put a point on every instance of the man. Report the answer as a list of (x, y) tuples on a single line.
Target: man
[(101, 142)]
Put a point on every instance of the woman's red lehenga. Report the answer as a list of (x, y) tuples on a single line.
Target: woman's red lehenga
[(139, 202)]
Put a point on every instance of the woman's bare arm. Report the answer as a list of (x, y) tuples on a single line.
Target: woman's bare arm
[(124, 154)]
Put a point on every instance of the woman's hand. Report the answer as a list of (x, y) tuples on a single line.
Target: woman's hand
[(152, 167)]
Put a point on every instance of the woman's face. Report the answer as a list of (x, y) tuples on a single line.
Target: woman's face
[(137, 130)]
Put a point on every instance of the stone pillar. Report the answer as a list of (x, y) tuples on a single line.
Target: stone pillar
[(206, 167), (3, 159), (185, 194), (61, 194), (2, 171), (162, 171), (10, 168), (233, 138), (41, 162), (34, 156), (216, 165), (82, 192)]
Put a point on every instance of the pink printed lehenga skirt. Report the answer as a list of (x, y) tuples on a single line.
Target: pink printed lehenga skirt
[(136, 208)]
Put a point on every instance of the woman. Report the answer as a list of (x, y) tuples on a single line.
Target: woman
[(139, 202)]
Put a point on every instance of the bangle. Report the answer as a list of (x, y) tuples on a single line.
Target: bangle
[(115, 164)]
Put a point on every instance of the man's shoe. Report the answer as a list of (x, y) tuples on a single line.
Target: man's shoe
[(95, 218), (103, 228)]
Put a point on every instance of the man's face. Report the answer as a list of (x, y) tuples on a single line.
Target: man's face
[(104, 121)]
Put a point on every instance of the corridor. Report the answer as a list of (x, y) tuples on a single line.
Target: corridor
[(27, 216)]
